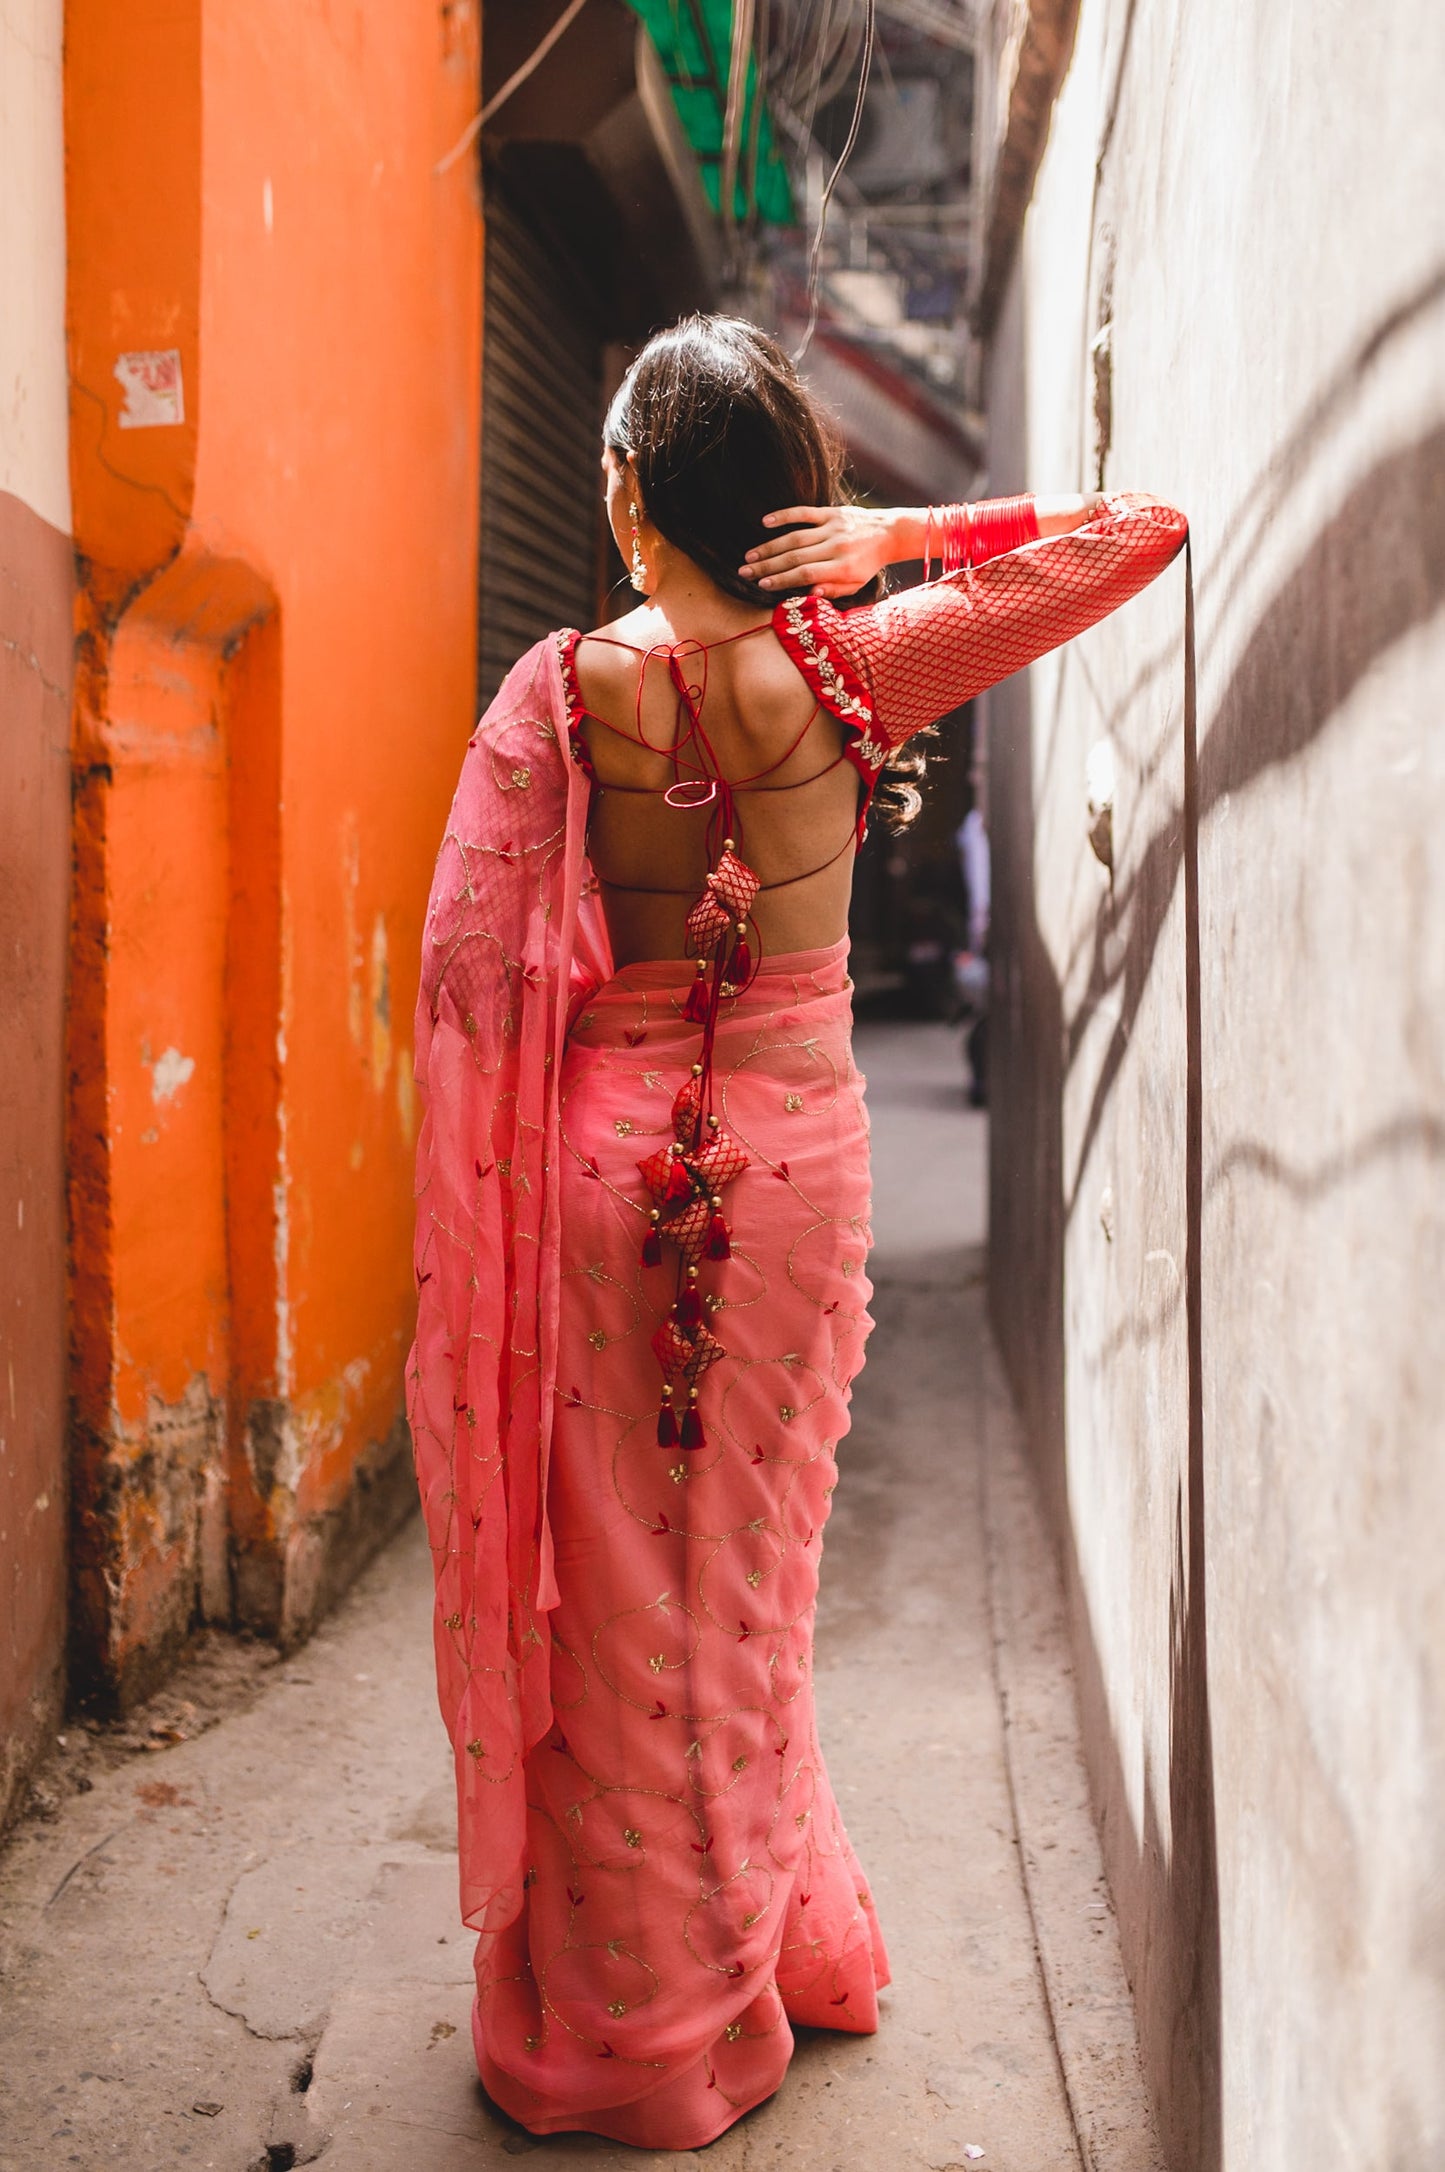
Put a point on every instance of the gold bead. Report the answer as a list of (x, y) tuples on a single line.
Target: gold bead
[(697, 1070), (717, 1202), (656, 1215), (742, 927), (692, 1274), (701, 968), (666, 1392), (713, 1122), (728, 845), (676, 1146), (692, 1395)]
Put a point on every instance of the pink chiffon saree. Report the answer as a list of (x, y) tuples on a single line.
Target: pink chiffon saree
[(649, 1847), (649, 1843)]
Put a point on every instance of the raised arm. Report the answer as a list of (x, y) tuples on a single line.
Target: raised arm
[(929, 649)]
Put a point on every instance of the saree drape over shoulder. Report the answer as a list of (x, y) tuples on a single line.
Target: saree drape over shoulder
[(650, 1849)]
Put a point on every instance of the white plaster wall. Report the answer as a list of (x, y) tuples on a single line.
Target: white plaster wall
[(1270, 186), (34, 456)]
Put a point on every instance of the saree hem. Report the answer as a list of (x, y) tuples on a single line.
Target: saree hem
[(522, 2105)]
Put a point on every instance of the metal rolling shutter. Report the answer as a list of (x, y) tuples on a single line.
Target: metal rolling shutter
[(541, 419)]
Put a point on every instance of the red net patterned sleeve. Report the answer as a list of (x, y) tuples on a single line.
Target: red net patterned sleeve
[(927, 650)]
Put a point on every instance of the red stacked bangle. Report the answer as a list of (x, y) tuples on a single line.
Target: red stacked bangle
[(1002, 525), (968, 534)]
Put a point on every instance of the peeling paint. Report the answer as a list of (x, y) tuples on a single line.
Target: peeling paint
[(150, 378), (169, 1071)]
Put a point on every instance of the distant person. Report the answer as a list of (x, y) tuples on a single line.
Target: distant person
[(640, 1251), (971, 838)]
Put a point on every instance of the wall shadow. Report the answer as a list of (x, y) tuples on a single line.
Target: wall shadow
[(1371, 574), (1368, 576), (1165, 1884)]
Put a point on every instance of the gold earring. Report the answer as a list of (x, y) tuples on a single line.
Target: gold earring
[(639, 563)]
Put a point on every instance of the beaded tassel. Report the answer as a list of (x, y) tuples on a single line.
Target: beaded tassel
[(719, 1240), (684, 1179)]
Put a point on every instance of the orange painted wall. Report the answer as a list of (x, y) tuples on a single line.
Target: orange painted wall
[(275, 687), (341, 388)]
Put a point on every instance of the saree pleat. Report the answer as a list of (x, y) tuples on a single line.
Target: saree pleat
[(692, 1888)]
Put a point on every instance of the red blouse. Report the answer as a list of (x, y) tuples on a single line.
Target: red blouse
[(886, 670)]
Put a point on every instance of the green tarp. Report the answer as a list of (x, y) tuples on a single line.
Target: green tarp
[(693, 39)]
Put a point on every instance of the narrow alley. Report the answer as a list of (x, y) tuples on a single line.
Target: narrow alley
[(240, 1950)]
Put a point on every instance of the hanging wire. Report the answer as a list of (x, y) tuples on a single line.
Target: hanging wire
[(755, 119), (739, 57), (819, 65), (815, 258), (514, 82)]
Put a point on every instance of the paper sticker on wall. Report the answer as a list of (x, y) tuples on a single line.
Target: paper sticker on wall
[(151, 381)]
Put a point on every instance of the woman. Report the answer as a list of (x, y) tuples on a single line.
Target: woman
[(642, 1231)]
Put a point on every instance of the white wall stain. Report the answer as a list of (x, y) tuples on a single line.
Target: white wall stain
[(169, 1071)]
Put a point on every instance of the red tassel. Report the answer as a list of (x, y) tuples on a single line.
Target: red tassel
[(692, 1432), (688, 1310), (695, 1008), (718, 1245), (679, 1183), (740, 969), (666, 1427), (652, 1249)]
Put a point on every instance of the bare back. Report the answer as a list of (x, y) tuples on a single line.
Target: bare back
[(795, 797)]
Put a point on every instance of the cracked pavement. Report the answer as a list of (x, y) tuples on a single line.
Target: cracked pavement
[(240, 1951)]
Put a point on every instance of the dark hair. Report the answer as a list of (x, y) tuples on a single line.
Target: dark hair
[(720, 430)]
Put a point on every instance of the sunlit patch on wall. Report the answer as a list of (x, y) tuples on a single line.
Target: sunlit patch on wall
[(406, 1095), (380, 1004)]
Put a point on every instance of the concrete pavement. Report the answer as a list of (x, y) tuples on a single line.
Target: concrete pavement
[(238, 1950)]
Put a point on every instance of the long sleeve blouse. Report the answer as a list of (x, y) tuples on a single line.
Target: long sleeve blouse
[(890, 668)]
